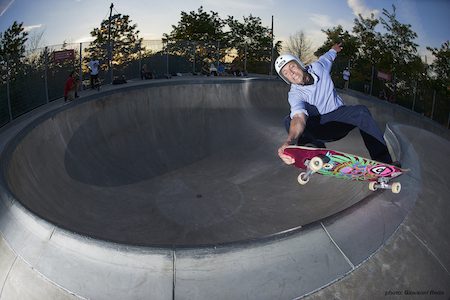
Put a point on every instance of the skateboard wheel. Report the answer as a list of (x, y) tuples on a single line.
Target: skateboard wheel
[(316, 164), (372, 186), (396, 187), (301, 178)]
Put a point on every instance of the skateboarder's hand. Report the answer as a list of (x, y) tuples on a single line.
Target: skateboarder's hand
[(286, 158), (337, 47)]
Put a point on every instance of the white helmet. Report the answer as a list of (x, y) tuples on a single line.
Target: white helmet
[(282, 60)]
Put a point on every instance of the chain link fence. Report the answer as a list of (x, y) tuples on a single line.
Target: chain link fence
[(4, 105), (419, 96), (41, 77)]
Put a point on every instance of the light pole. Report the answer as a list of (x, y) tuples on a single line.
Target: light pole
[(271, 53), (109, 44)]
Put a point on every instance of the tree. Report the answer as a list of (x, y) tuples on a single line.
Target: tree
[(369, 41), (34, 41), (125, 42), (338, 35), (399, 49), (300, 46), (253, 42), (198, 35), (370, 45), (12, 49), (441, 65), (36, 49), (201, 35), (197, 26), (348, 53)]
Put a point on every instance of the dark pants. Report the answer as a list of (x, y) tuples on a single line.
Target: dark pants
[(94, 81), (337, 124)]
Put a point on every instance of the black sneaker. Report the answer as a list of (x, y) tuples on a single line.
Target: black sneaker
[(315, 144), (396, 164)]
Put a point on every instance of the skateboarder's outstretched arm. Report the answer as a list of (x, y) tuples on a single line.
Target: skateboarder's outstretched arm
[(296, 128), (326, 60)]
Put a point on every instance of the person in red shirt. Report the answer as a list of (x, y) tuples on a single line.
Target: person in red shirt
[(71, 86)]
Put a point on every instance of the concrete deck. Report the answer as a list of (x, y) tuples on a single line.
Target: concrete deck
[(173, 190)]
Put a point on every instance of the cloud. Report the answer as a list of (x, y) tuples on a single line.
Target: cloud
[(326, 22), (31, 27), (319, 22), (4, 5), (84, 39), (317, 37), (322, 21), (359, 8)]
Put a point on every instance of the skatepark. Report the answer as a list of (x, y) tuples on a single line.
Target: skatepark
[(173, 190)]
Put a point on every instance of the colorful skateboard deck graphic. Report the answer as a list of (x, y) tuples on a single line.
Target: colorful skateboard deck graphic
[(343, 165)]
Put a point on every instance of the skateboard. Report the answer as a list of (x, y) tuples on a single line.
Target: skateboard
[(343, 165)]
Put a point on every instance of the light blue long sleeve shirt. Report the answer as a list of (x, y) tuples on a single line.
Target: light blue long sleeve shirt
[(320, 97)]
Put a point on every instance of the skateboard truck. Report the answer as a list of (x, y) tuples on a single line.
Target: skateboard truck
[(383, 183), (312, 166)]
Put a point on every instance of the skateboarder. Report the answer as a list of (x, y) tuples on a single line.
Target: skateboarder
[(318, 114)]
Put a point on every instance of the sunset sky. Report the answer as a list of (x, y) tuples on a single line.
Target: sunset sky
[(72, 20)]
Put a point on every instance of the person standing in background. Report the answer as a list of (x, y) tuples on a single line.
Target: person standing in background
[(346, 76), (94, 66), (71, 87)]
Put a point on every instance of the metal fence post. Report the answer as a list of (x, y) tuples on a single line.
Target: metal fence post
[(218, 53), (140, 59), (80, 75), (110, 47), (448, 120), (193, 63), (371, 80), (434, 102), (414, 98), (245, 59), (167, 59), (8, 94), (347, 83), (46, 74), (271, 50)]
